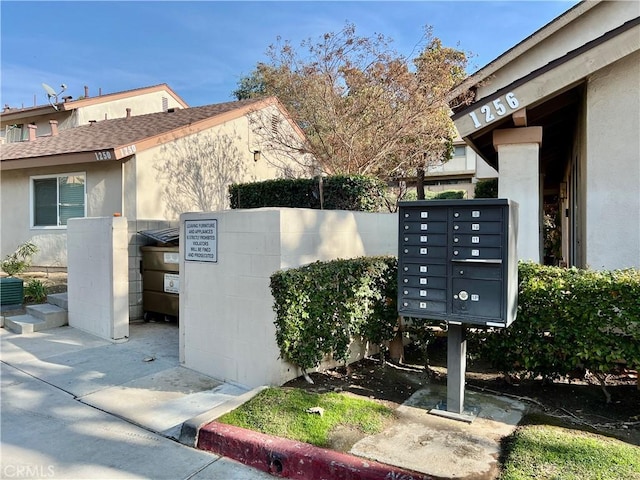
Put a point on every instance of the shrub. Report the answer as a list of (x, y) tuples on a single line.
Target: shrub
[(20, 260), (486, 188), (569, 319), (340, 192), (35, 291), (320, 307)]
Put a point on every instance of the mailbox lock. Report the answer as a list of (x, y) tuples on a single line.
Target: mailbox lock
[(456, 214), (461, 272), (463, 295), (456, 240)]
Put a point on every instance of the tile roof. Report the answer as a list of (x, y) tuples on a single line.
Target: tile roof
[(117, 132)]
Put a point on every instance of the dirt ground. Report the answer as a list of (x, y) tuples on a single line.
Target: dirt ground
[(577, 403)]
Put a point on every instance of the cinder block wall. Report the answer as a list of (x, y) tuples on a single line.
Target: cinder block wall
[(226, 308), (98, 286)]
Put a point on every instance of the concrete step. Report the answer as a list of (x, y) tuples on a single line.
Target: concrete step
[(52, 314), (38, 317), (59, 299), (24, 324)]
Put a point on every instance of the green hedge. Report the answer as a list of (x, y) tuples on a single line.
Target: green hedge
[(486, 188), (340, 192), (320, 307), (569, 319)]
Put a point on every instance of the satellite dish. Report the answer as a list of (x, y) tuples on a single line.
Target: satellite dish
[(51, 94)]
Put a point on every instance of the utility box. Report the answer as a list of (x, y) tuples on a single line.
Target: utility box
[(457, 261), (160, 280)]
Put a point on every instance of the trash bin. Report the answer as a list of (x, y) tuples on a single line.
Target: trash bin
[(160, 281)]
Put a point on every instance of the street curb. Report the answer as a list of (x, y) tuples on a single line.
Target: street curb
[(289, 459), (190, 428)]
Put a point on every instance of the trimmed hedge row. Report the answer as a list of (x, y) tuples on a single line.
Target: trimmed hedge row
[(339, 192), (568, 319), (320, 307)]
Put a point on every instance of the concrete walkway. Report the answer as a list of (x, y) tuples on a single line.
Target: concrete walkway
[(76, 406)]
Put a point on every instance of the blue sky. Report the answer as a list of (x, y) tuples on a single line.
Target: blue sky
[(201, 49)]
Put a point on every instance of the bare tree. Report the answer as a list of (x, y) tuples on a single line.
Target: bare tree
[(364, 108), (195, 172)]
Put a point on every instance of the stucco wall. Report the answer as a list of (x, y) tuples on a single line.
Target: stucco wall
[(235, 165), (226, 308), (594, 23), (139, 105), (613, 166), (104, 194), (98, 286)]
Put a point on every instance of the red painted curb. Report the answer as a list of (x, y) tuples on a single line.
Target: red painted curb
[(297, 460)]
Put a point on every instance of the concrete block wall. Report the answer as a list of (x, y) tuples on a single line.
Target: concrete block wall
[(226, 309), (98, 282)]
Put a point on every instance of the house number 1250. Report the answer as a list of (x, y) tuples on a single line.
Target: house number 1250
[(496, 106)]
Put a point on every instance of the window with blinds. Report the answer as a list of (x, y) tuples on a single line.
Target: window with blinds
[(57, 198)]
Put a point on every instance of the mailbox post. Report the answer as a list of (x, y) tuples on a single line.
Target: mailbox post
[(457, 262)]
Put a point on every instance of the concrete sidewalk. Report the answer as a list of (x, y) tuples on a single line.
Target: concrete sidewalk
[(76, 406), (96, 409)]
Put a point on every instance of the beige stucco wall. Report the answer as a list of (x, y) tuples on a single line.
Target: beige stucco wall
[(237, 165), (103, 198), (226, 308), (139, 105), (595, 22), (613, 166), (98, 288)]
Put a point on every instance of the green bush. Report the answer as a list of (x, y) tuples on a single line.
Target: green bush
[(320, 307), (35, 291), (486, 188), (340, 192), (569, 319), (20, 260), (448, 195)]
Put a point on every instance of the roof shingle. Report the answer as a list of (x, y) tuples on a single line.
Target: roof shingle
[(107, 134)]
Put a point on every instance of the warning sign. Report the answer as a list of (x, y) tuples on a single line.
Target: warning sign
[(201, 240)]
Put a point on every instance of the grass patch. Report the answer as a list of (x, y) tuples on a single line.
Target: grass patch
[(548, 452), (282, 412)]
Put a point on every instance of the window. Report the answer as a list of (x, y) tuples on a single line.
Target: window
[(15, 133), (459, 151), (57, 198)]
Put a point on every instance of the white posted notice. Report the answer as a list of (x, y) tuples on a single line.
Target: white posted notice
[(201, 240)]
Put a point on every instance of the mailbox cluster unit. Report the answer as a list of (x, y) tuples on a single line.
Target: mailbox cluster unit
[(457, 261)]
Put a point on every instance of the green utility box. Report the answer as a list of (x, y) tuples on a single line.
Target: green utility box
[(160, 280), (11, 291)]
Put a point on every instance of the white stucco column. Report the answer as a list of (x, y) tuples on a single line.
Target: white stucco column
[(518, 159)]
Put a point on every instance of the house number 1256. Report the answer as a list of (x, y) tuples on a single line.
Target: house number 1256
[(489, 111)]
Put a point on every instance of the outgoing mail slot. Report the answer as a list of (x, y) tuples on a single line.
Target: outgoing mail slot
[(469, 270)]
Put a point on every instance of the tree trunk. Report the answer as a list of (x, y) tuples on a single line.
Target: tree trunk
[(396, 345), (420, 183)]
